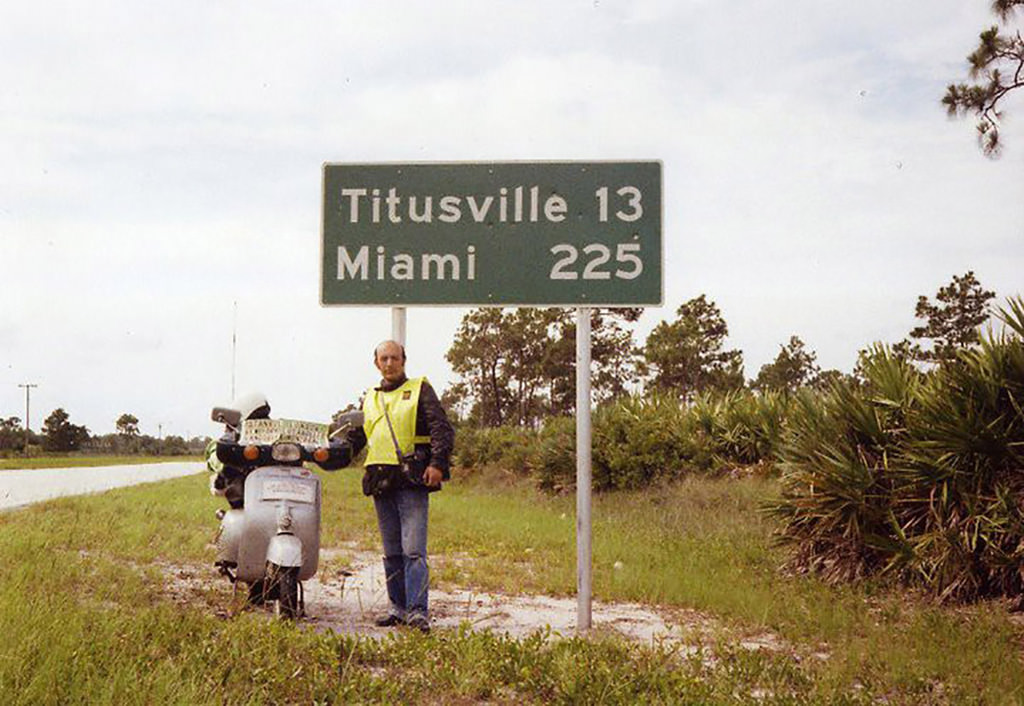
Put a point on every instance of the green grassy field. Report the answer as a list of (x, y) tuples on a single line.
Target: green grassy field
[(76, 461), (85, 618)]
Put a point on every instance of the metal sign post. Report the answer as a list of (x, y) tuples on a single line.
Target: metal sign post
[(583, 469), (398, 325)]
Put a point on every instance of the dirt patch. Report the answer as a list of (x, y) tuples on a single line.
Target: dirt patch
[(346, 600)]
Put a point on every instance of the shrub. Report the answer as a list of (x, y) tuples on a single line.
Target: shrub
[(962, 483), (835, 459), (918, 475), (508, 447), (553, 458), (638, 440), (741, 428)]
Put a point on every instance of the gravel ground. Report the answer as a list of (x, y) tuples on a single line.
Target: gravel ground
[(347, 601)]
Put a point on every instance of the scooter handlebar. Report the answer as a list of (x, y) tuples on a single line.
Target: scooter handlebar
[(337, 454)]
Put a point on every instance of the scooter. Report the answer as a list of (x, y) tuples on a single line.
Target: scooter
[(272, 543)]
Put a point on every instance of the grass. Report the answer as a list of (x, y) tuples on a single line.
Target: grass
[(83, 623), (78, 461), (705, 544)]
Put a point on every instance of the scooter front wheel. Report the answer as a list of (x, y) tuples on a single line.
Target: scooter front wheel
[(282, 586)]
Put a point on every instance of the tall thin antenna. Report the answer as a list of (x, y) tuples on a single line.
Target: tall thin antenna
[(234, 347)]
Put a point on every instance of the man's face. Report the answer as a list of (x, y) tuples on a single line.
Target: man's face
[(389, 362)]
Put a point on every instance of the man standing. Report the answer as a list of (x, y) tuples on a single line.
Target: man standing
[(409, 442)]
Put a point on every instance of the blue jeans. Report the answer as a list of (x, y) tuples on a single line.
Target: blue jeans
[(402, 519)]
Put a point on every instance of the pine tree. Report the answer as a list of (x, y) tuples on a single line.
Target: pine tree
[(996, 69)]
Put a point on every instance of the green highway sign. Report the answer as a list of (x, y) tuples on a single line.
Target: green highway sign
[(492, 233)]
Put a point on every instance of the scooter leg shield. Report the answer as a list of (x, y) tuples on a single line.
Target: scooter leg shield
[(285, 550)]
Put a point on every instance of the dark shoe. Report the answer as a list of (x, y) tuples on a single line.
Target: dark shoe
[(387, 621), (419, 622)]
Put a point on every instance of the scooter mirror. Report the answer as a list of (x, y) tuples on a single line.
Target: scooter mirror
[(348, 420), (223, 415)]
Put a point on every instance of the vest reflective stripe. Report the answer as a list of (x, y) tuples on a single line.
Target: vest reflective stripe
[(401, 405)]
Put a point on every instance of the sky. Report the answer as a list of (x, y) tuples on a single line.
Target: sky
[(161, 166)]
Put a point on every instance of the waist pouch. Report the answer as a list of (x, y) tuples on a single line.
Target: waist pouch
[(381, 479)]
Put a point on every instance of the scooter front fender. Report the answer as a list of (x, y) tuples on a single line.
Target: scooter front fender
[(285, 550)]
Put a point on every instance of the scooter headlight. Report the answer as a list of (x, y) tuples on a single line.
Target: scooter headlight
[(251, 453), (321, 454), (286, 452)]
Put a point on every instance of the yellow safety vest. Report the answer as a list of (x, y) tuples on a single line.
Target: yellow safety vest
[(401, 406)]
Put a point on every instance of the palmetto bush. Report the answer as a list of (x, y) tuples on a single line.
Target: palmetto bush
[(740, 428), (920, 475), (837, 459), (961, 507)]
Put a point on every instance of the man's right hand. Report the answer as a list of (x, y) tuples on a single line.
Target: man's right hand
[(433, 476)]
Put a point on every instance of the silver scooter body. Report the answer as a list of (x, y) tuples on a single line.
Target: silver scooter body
[(280, 523), (272, 542)]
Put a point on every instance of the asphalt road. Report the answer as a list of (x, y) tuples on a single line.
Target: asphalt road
[(23, 487)]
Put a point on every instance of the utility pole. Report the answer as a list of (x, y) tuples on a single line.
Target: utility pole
[(28, 390)]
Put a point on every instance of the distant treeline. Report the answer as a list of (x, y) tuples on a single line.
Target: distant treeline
[(518, 367), (60, 435)]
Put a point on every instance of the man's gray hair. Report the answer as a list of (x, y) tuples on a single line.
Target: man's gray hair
[(384, 343)]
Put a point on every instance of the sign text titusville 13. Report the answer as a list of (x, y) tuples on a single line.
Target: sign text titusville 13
[(496, 233)]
